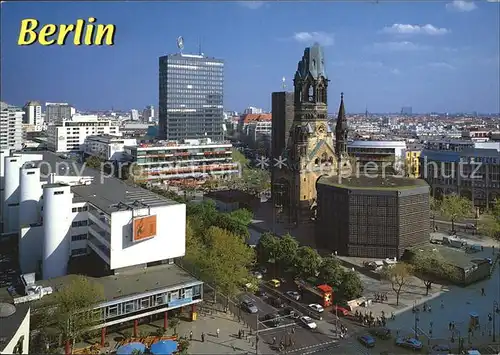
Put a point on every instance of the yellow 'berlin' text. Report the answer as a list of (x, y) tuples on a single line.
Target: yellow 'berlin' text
[(50, 34)]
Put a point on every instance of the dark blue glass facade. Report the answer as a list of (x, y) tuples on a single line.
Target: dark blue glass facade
[(191, 99)]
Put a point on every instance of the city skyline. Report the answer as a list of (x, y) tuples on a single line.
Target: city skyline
[(434, 57)]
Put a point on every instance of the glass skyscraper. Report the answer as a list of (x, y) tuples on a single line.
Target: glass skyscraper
[(191, 97)]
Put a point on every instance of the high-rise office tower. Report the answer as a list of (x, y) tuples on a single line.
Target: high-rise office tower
[(191, 97), (148, 114), (11, 127), (57, 112), (282, 120), (33, 114)]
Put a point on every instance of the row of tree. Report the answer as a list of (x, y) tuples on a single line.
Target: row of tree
[(286, 255)]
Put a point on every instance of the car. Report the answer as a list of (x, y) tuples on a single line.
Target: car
[(410, 343), (316, 307), (272, 319), (249, 306), (471, 226), (292, 313), (276, 302), (308, 322), (367, 340), (382, 333), (262, 294), (441, 348), (293, 294), (341, 311), (257, 275), (275, 283)]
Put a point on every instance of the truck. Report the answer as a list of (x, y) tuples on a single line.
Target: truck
[(321, 294)]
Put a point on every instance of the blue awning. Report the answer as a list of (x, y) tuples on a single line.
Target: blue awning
[(164, 347), (130, 348)]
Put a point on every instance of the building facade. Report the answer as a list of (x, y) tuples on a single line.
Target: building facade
[(191, 98), (11, 127), (378, 156), (56, 112), (70, 135), (469, 169), (197, 159), (71, 220), (15, 329), (310, 150), (283, 112), (372, 217), (33, 115), (108, 148)]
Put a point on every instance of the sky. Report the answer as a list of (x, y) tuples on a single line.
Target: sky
[(434, 56)]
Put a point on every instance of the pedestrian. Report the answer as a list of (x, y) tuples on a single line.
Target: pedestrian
[(274, 340), (202, 337), (482, 292), (218, 332), (191, 335), (450, 325), (239, 334), (293, 330)]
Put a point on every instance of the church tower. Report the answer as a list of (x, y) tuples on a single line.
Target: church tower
[(310, 149)]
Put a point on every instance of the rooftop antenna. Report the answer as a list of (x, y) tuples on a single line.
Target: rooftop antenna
[(199, 46), (180, 43), (283, 83)]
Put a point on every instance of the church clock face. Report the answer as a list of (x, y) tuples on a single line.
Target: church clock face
[(321, 129)]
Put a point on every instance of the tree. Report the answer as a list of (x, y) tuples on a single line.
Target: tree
[(93, 162), (286, 251), (330, 272), (267, 248), (223, 260), (455, 207), (173, 323), (399, 275), (308, 261), (242, 215), (351, 286), (429, 266), (71, 313), (490, 224), (183, 346)]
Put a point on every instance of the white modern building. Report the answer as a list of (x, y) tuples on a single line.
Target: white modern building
[(253, 110), (11, 127), (68, 217), (109, 148), (33, 115), (134, 115), (376, 155), (15, 329), (191, 158), (57, 112), (148, 115), (61, 210), (70, 135)]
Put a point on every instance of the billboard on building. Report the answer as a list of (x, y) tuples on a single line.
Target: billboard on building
[(144, 228)]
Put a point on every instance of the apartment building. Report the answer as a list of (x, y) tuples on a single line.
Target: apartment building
[(70, 135), (11, 127), (33, 115)]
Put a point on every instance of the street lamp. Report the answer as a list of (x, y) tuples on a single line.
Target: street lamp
[(495, 309), (416, 325)]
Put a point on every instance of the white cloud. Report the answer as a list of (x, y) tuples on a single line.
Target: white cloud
[(493, 0), (441, 65), (252, 5), (406, 29), (403, 46), (461, 6), (395, 71), (323, 38)]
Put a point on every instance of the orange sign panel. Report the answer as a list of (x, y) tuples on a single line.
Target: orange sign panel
[(144, 227)]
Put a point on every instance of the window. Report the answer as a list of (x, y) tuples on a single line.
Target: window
[(58, 192), (79, 223), (78, 237)]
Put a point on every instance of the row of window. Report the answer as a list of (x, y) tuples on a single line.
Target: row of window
[(79, 223), (79, 209), (77, 237)]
